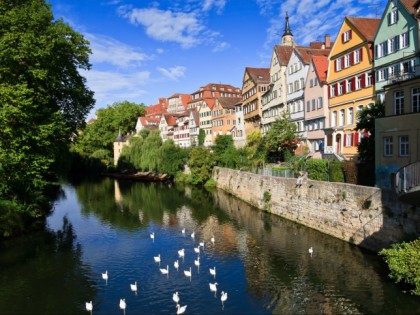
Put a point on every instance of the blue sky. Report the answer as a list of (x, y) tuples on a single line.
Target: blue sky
[(143, 50)]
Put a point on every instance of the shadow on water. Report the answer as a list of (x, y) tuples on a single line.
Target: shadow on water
[(43, 274)]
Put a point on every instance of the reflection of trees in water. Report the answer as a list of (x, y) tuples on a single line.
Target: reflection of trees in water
[(277, 262), (44, 272)]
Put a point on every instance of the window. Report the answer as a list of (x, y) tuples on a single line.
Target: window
[(381, 74), (349, 139), (404, 40), (382, 49), (399, 102), (332, 91), (311, 83), (320, 102), (342, 118), (358, 83), (334, 119), (302, 83), (313, 104), (308, 106), (347, 61), (403, 140), (356, 57), (340, 88), (351, 116), (346, 36), (388, 149), (415, 102), (393, 17), (348, 89), (392, 45), (338, 64), (368, 79)]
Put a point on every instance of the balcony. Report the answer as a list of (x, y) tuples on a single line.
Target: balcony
[(400, 77)]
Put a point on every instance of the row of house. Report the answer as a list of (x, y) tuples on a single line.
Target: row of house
[(322, 87)]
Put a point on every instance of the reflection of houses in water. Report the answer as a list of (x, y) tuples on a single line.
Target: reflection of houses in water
[(117, 194), (283, 267)]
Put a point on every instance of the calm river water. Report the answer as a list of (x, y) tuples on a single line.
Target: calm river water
[(261, 261)]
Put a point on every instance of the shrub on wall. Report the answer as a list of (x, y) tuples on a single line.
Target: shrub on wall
[(317, 169), (403, 262), (336, 172)]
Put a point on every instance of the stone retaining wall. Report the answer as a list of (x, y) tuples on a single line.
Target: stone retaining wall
[(366, 216)]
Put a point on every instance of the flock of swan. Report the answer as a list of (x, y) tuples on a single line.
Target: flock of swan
[(165, 271)]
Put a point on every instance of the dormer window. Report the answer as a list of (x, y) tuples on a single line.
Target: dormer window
[(393, 17), (346, 36)]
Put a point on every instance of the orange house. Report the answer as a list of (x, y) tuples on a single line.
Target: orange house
[(223, 116), (351, 84)]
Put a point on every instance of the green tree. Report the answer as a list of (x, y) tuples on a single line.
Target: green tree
[(255, 151), (201, 163), (201, 136), (43, 97), (366, 123), (280, 137), (100, 135), (172, 158)]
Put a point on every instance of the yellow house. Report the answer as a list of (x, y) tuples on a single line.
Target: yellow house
[(351, 84)]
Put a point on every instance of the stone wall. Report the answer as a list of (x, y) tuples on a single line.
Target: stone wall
[(366, 216)]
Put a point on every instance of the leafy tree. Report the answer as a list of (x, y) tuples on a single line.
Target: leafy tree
[(281, 137), (43, 98), (118, 117), (171, 158), (366, 123), (403, 262), (254, 150), (201, 162), (150, 152), (222, 143), (201, 136)]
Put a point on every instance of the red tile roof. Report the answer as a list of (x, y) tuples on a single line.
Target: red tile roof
[(259, 75), (229, 102), (170, 119), (321, 66), (306, 53), (410, 5), (218, 86), (366, 26), (283, 54)]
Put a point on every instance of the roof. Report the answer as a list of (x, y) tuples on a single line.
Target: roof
[(218, 86), (306, 53), (321, 66), (170, 119), (157, 109), (228, 102), (410, 5), (196, 116), (283, 53), (366, 26), (259, 75)]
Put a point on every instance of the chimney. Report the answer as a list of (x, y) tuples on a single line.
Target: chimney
[(327, 41)]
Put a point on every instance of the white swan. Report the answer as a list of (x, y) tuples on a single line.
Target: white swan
[(213, 287), (197, 249), (176, 265), (180, 310), (223, 297), (181, 253), (213, 272), (152, 236), (212, 239), (197, 262), (175, 297), (193, 235), (188, 273), (134, 287), (89, 306), (123, 305), (105, 275), (311, 250), (165, 271), (157, 258), (202, 244), (183, 231)]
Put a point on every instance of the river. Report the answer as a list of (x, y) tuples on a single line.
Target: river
[(261, 261)]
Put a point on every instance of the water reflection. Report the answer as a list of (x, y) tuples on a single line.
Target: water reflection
[(262, 261)]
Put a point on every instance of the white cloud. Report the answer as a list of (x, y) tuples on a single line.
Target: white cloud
[(221, 46), (114, 52), (173, 73), (110, 87), (219, 5), (160, 50), (167, 26)]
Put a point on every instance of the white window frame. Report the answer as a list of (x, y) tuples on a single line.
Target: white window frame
[(347, 61), (356, 57), (350, 115), (403, 145), (415, 100), (346, 36), (399, 102), (388, 146)]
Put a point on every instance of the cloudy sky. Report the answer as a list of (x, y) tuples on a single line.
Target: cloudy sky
[(143, 50)]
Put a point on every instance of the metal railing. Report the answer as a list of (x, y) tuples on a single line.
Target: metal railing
[(407, 177), (268, 171)]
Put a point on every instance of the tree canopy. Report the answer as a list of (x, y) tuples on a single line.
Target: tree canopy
[(43, 97), (100, 135)]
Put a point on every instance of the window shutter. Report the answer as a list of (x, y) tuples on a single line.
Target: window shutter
[(335, 65), (356, 138), (363, 81), (361, 53), (342, 37), (353, 83), (344, 140), (389, 18), (342, 62), (352, 58), (373, 78), (329, 91), (336, 89), (350, 33), (344, 87), (408, 39), (396, 17), (397, 42)]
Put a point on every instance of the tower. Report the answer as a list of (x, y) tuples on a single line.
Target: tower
[(287, 38)]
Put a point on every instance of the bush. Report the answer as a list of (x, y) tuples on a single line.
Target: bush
[(350, 172), (336, 172), (317, 169), (403, 262), (210, 183)]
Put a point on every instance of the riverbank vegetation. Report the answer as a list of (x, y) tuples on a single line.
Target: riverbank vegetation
[(43, 103)]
